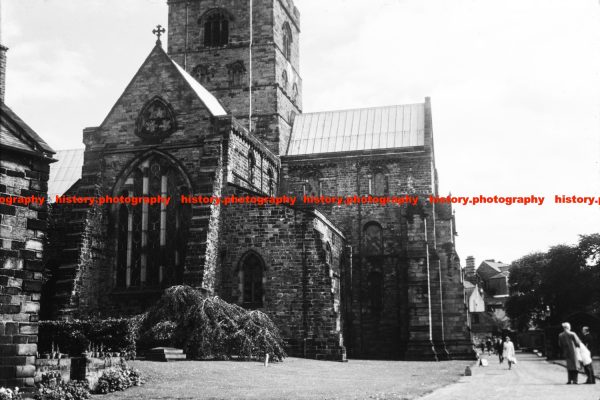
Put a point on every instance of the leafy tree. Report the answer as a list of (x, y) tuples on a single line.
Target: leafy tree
[(547, 287)]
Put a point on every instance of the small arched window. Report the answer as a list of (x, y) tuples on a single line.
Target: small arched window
[(201, 73), (251, 167), (236, 72), (294, 92), (376, 291), (216, 30), (287, 41), (312, 186), (251, 279), (373, 238), (379, 184), (284, 80), (271, 182)]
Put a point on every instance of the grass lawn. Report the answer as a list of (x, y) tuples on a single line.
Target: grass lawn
[(294, 378)]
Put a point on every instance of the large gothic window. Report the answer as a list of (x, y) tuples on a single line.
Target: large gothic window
[(216, 30), (373, 239), (287, 41), (251, 280), (151, 239)]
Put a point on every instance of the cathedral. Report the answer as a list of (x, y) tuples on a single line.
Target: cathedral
[(219, 113)]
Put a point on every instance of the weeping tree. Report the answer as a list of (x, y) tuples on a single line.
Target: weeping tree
[(209, 327)]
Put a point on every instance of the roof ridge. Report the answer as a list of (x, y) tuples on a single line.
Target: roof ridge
[(361, 108)]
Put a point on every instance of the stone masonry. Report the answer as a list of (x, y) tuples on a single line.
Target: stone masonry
[(373, 281), (24, 172)]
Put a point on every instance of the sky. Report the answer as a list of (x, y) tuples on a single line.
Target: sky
[(514, 86)]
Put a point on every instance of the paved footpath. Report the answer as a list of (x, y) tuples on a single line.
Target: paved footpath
[(532, 378)]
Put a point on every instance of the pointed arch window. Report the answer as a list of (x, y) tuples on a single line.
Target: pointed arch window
[(287, 41), (151, 239), (216, 29), (251, 277)]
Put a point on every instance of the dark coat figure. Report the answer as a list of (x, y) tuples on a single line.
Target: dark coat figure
[(588, 340), (499, 347), (569, 342)]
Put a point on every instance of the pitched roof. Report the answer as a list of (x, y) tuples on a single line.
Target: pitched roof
[(17, 134), (502, 274), (358, 129), (65, 172), (488, 269)]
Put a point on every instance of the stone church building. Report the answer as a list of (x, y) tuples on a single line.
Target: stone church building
[(362, 280)]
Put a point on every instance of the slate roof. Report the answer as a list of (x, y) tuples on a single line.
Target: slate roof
[(358, 129), (16, 134), (65, 172)]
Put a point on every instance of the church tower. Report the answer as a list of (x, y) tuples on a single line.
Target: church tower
[(211, 39)]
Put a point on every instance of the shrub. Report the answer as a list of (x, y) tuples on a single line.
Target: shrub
[(74, 337), (10, 394), (118, 379), (52, 387), (209, 327)]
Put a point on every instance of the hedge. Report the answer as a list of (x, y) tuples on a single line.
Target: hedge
[(76, 336)]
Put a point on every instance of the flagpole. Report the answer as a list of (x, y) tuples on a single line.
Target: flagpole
[(250, 73)]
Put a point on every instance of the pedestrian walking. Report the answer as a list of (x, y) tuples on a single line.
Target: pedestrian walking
[(499, 346), (488, 345), (588, 340), (569, 344), (508, 352)]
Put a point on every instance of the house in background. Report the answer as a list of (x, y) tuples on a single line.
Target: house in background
[(486, 291)]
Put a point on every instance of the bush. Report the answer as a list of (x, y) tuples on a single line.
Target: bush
[(9, 394), (52, 387), (118, 379), (74, 337), (208, 327)]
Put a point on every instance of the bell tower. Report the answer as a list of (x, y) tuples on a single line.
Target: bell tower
[(211, 39)]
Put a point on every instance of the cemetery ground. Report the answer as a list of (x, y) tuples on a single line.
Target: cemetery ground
[(293, 378)]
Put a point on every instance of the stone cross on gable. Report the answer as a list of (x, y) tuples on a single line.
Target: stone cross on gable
[(159, 30)]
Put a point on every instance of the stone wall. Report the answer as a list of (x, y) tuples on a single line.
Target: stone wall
[(301, 286), (273, 102), (22, 233)]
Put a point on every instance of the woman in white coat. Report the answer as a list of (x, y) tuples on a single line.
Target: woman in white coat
[(508, 352)]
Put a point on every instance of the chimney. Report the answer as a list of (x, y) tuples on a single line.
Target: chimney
[(2, 72), (470, 267)]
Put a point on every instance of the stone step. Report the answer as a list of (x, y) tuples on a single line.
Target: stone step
[(165, 354)]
